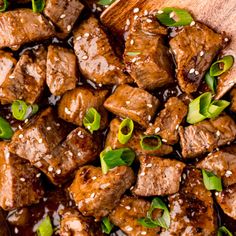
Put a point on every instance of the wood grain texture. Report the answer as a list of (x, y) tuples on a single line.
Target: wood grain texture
[(218, 14)]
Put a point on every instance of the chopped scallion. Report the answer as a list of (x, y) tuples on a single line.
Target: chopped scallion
[(4, 6), (211, 181), (105, 2), (45, 228), (223, 231), (92, 120), (132, 54), (106, 225), (150, 142), (125, 130), (38, 5), (217, 107), (211, 82), (6, 131)]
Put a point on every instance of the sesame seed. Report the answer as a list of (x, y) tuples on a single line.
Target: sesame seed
[(228, 173), (226, 39), (142, 174), (160, 12), (128, 228), (49, 128), (38, 175), (145, 13), (216, 193), (136, 10), (50, 168), (149, 117), (7, 155), (58, 171), (21, 136), (57, 124), (143, 232), (22, 179), (196, 72), (40, 140), (67, 111), (94, 177), (92, 195), (164, 140), (100, 85), (99, 9), (131, 42), (128, 207), (127, 102), (11, 77), (86, 35), (63, 16), (132, 188), (202, 53), (192, 23), (149, 165), (16, 230), (149, 21), (79, 133), (19, 126), (79, 154), (172, 14), (134, 60), (78, 38), (69, 27), (149, 105), (218, 133), (84, 57), (191, 70), (176, 127), (127, 22), (135, 17)]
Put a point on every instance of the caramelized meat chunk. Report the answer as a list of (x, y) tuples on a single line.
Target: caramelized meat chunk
[(61, 70), (147, 58), (158, 176), (95, 193), (97, 60), (75, 104), (233, 100), (134, 143), (135, 103), (19, 185), (206, 135), (28, 78), (168, 120), (127, 213), (23, 26), (194, 48), (191, 209), (63, 13)]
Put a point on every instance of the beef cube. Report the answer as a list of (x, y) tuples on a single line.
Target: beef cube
[(127, 213), (135, 103), (23, 26), (19, 185), (97, 60), (28, 78), (227, 200), (61, 70), (233, 100), (39, 137), (75, 104), (206, 135), (134, 143), (95, 193), (168, 121), (158, 176), (63, 13), (191, 209), (194, 48), (147, 58), (222, 163)]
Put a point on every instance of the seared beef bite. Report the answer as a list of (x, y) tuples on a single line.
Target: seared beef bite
[(168, 121), (97, 60), (233, 100), (158, 176), (75, 104), (20, 184), (128, 212), (95, 193), (27, 80), (194, 48), (61, 70), (134, 103), (146, 57), (23, 26), (191, 209), (206, 135)]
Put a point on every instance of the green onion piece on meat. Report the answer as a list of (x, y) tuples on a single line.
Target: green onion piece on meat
[(217, 107), (125, 130), (6, 131), (163, 221), (38, 5), (117, 157), (223, 231), (221, 66), (92, 120), (106, 225), (4, 6), (150, 142), (211, 181), (132, 54), (105, 2), (211, 82), (174, 17), (45, 227)]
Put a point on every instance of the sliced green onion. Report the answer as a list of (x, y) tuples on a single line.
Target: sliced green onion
[(211, 181), (22, 111), (163, 221), (221, 66), (6, 131), (133, 54), (150, 142), (106, 2), (174, 17), (118, 157), (45, 227), (106, 225), (92, 120), (211, 82), (223, 231), (217, 107), (5, 6), (38, 5), (125, 130)]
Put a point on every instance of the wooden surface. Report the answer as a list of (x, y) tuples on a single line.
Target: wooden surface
[(218, 14)]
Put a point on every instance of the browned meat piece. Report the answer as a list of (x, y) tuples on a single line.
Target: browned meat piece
[(135, 103), (63, 13), (168, 121), (134, 143), (19, 184), (97, 194), (191, 209), (152, 67), (222, 163), (28, 78), (97, 60), (61, 70), (227, 200), (194, 48), (23, 26), (127, 213), (206, 135), (158, 176), (233, 100), (75, 103)]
